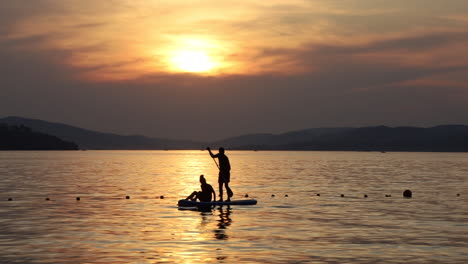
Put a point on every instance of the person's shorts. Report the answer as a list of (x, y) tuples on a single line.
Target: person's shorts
[(224, 176), (204, 197)]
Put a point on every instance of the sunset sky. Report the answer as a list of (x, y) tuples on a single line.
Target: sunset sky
[(207, 70)]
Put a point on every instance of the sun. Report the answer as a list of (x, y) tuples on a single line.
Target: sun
[(192, 61)]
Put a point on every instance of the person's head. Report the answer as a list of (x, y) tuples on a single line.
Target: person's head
[(221, 150), (202, 179)]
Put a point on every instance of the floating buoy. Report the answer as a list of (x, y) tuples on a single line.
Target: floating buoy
[(161, 197), (47, 199), (286, 195), (407, 194), (78, 198), (318, 194), (365, 195), (246, 195), (10, 199), (458, 194), (342, 195), (272, 195), (127, 197)]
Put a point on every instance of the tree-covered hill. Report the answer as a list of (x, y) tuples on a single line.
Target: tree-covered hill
[(23, 138)]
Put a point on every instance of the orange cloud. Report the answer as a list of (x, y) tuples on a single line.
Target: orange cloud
[(132, 39)]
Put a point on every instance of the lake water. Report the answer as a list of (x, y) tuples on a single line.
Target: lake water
[(105, 227)]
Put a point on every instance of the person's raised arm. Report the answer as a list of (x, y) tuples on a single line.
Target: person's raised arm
[(211, 153)]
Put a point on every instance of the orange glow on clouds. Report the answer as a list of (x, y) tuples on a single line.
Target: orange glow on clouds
[(132, 39)]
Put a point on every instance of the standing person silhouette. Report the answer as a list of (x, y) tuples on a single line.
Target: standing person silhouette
[(224, 173)]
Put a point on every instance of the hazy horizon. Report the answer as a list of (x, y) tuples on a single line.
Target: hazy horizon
[(212, 70)]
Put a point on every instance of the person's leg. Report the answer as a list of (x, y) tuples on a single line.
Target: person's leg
[(191, 196), (221, 191), (228, 191), (199, 196), (227, 178)]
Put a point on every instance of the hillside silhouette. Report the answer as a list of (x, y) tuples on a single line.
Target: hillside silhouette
[(445, 138), (88, 139), (24, 138)]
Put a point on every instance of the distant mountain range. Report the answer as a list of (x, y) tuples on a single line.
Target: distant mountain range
[(23, 138), (87, 139), (449, 138)]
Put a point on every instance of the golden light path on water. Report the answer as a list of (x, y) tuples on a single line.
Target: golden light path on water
[(105, 227)]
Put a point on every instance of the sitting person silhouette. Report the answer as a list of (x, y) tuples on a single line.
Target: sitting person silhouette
[(207, 193)]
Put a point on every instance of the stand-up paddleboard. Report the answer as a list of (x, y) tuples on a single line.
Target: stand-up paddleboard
[(188, 203)]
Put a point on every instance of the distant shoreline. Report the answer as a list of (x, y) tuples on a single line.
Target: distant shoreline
[(444, 138), (231, 150)]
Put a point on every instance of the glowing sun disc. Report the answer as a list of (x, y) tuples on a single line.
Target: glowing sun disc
[(192, 61)]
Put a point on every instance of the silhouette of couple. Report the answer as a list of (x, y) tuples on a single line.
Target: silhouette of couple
[(207, 193)]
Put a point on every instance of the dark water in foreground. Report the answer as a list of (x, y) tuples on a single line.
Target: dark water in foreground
[(104, 227)]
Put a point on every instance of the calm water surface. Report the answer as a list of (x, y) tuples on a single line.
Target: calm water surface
[(104, 227)]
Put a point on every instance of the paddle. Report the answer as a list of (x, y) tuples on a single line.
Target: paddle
[(216, 163), (229, 191)]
